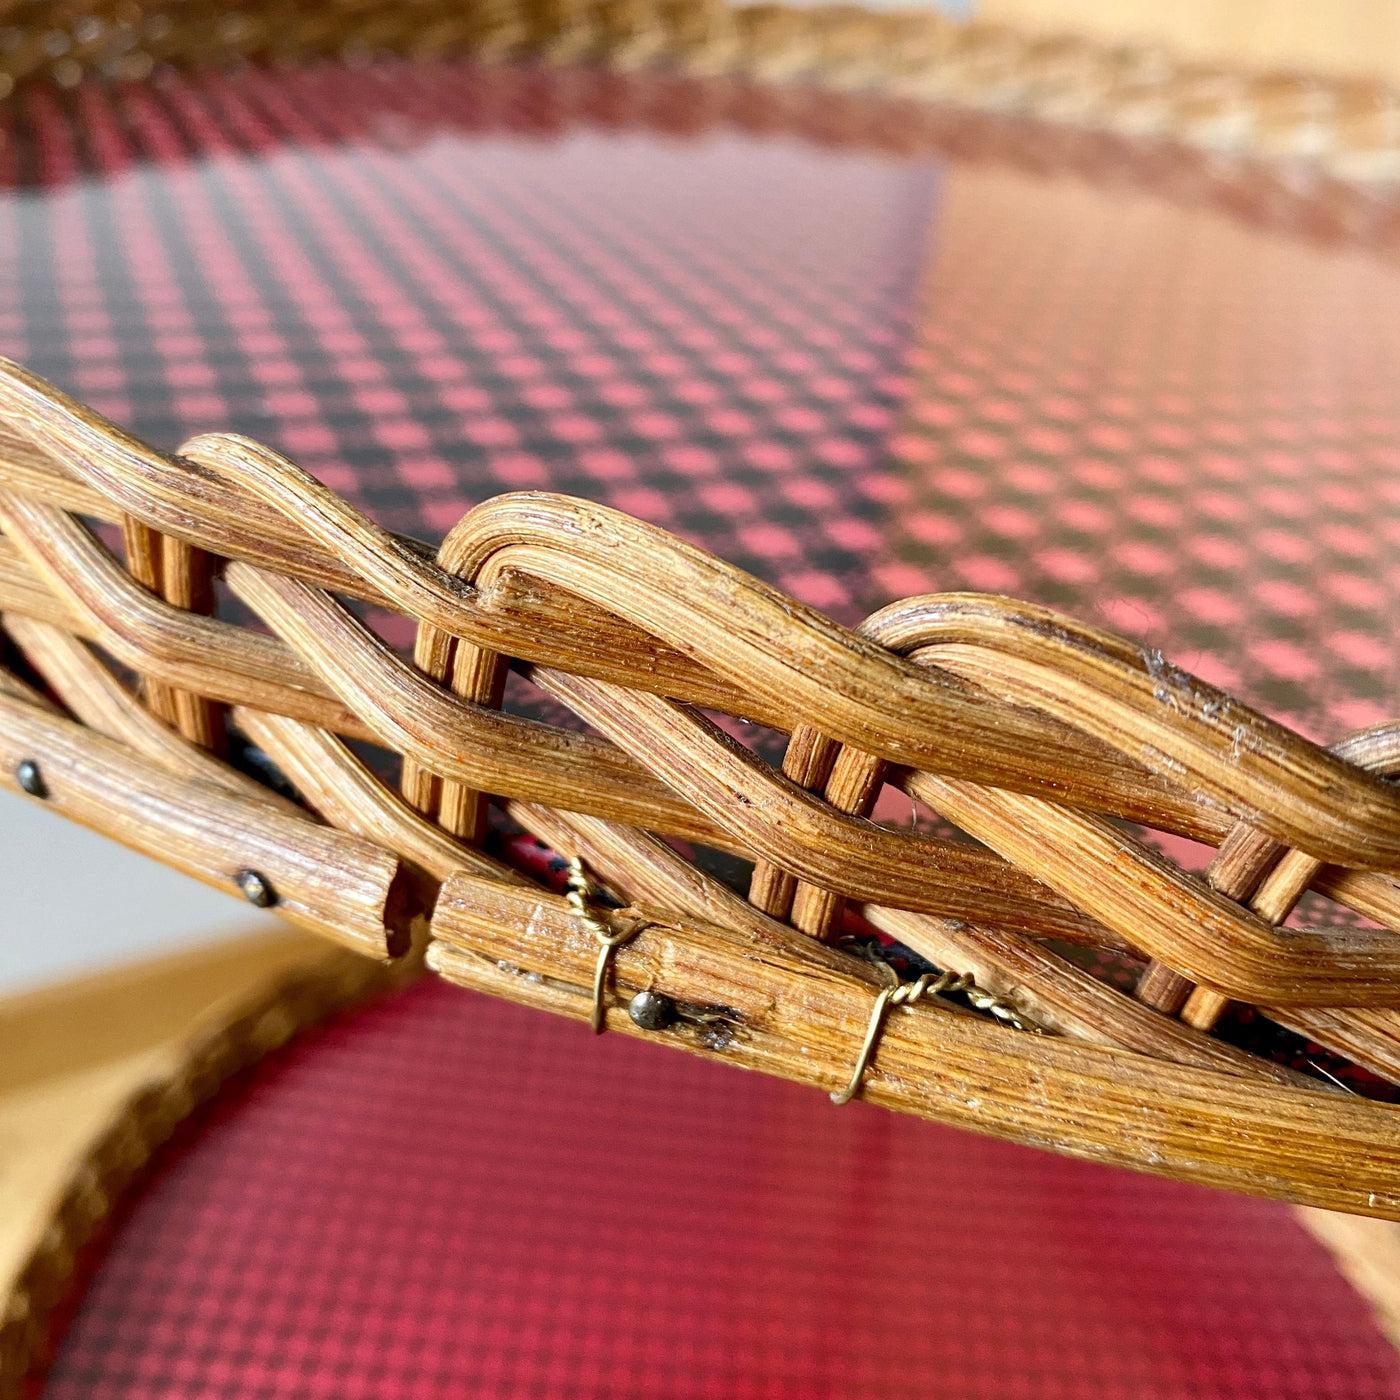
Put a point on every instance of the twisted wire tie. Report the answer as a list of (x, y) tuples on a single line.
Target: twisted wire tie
[(581, 896), (906, 994)]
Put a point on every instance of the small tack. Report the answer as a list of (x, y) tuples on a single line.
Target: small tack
[(28, 776), (652, 1011), (256, 889)]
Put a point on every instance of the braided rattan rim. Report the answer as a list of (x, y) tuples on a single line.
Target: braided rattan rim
[(1302, 201), (1343, 131), (1031, 732), (1346, 129)]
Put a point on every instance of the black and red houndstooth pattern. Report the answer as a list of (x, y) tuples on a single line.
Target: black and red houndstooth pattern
[(860, 374)]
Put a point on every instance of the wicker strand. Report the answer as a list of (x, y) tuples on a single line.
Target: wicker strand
[(1347, 128), (1031, 732)]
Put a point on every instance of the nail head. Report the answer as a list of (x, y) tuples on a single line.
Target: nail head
[(652, 1011), (28, 776), (256, 889)]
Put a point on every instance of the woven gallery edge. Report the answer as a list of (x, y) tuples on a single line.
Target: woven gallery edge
[(196, 668), (1343, 129)]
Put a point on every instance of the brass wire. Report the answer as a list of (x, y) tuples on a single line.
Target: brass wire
[(906, 994), (581, 897)]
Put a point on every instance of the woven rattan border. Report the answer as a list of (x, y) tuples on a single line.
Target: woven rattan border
[(1342, 128), (1034, 734)]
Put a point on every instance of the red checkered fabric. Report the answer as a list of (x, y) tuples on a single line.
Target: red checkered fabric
[(855, 373), (446, 1196), (858, 372)]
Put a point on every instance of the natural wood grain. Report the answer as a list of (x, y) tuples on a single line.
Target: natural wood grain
[(1137, 701), (328, 881), (598, 646), (1238, 866), (798, 1011), (1033, 735), (187, 582), (1012, 748), (338, 675), (144, 562), (1168, 913), (95, 696), (334, 782), (783, 823)]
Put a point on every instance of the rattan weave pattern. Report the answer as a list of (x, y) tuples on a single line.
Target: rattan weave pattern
[(1344, 128), (1033, 733)]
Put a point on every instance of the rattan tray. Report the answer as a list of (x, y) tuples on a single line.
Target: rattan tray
[(1037, 736), (977, 983)]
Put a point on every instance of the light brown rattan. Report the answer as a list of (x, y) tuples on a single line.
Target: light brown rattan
[(1038, 736), (1345, 128)]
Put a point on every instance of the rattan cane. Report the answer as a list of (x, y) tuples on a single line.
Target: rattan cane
[(1050, 743)]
